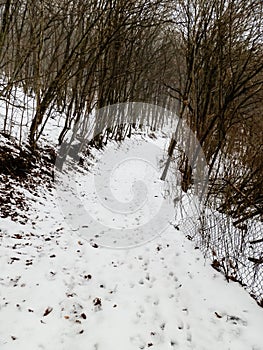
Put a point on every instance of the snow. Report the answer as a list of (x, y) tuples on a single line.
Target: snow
[(63, 288)]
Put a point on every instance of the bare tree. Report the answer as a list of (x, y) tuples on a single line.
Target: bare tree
[(218, 71)]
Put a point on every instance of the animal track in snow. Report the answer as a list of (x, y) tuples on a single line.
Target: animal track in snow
[(180, 325), (189, 336), (173, 343), (156, 302)]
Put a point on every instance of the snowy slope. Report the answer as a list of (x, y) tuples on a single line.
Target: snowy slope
[(60, 290)]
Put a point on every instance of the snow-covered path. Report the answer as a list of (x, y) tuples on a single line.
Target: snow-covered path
[(159, 295), (60, 292)]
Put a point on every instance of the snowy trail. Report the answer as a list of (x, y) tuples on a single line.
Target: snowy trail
[(58, 292), (159, 296)]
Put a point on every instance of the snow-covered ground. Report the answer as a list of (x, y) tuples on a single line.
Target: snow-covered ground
[(61, 288)]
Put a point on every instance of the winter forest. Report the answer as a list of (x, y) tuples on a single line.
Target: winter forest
[(131, 174)]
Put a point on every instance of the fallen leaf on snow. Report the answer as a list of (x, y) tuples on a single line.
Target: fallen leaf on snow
[(47, 311)]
